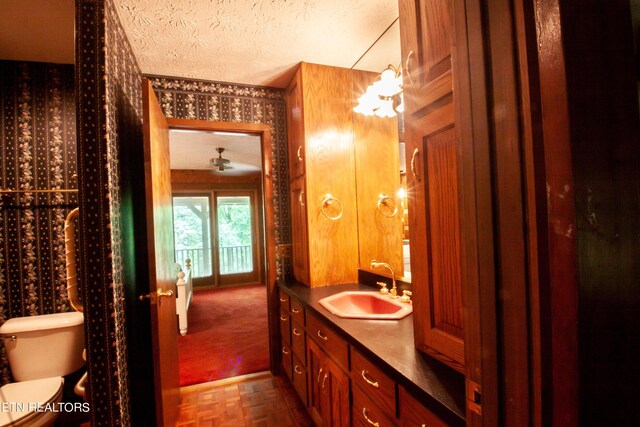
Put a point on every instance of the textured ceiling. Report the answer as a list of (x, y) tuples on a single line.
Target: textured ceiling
[(37, 30), (194, 149), (251, 41)]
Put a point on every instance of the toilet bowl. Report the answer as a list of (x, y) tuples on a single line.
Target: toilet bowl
[(41, 350), (31, 403)]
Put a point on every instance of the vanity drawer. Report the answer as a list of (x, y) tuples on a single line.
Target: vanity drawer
[(284, 300), (300, 379), (414, 414), (376, 384), (285, 326), (329, 341), (287, 359), (298, 342), (365, 413), (297, 312)]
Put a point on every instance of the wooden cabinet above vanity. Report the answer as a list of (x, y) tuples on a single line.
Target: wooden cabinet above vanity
[(321, 160), (344, 178)]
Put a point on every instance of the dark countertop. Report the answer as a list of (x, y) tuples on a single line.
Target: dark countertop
[(390, 345)]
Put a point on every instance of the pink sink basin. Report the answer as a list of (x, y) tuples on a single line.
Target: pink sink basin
[(366, 305)]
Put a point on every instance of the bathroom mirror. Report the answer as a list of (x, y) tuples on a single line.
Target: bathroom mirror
[(381, 166)]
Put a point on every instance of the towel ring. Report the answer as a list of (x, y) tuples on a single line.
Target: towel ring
[(328, 200), (384, 201)]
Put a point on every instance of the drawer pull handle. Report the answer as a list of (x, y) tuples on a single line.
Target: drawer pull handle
[(372, 383), (324, 380), (299, 153), (283, 300), (413, 165), (296, 332), (284, 350), (297, 369), (319, 374), (295, 310), (284, 318), (364, 414), (322, 336)]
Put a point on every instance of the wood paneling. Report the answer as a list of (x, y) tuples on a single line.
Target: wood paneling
[(377, 172), (199, 178)]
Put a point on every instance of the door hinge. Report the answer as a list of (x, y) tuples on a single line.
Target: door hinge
[(474, 397)]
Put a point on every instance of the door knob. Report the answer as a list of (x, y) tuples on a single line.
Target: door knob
[(165, 294), (153, 296)]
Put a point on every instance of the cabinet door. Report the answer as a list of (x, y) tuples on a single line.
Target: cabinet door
[(328, 389), (337, 390), (317, 375), (295, 127), (434, 184), (300, 246)]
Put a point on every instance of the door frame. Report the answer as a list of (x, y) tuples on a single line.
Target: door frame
[(268, 221)]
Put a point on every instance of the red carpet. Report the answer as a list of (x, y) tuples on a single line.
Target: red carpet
[(227, 335)]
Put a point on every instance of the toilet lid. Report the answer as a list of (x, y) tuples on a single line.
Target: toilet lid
[(19, 400)]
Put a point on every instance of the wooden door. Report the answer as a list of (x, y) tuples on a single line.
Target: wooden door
[(162, 292), (434, 185)]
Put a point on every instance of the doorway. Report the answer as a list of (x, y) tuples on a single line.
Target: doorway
[(219, 233), (221, 225)]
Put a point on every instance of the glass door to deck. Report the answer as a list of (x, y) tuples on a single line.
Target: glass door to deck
[(218, 232)]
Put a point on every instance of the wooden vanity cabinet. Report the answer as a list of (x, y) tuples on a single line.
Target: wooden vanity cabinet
[(321, 158)]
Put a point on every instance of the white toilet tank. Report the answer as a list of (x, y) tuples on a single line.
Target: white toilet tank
[(44, 346)]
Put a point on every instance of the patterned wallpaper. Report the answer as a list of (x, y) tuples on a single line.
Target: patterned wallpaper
[(217, 101), (37, 151), (107, 84), (109, 120)]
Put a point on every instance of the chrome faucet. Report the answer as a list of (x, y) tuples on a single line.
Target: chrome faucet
[(393, 293)]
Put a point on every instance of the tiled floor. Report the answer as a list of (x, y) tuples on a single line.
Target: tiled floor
[(251, 400)]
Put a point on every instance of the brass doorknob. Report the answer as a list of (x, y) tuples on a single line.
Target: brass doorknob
[(166, 294), (153, 296)]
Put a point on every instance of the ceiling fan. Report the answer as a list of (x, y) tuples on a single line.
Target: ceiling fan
[(220, 164)]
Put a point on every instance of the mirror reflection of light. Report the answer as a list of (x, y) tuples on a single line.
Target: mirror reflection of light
[(402, 193)]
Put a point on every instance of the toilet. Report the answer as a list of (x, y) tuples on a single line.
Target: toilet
[(41, 350)]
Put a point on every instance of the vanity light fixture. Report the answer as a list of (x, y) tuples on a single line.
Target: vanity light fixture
[(383, 98)]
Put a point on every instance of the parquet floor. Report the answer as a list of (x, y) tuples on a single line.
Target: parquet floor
[(251, 400)]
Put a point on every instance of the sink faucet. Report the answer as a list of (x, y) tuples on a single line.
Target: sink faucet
[(393, 292)]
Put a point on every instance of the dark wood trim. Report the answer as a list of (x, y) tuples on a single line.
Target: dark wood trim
[(479, 292), (264, 131)]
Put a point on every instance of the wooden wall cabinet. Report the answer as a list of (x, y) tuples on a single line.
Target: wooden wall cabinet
[(434, 184), (449, 189), (321, 158)]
